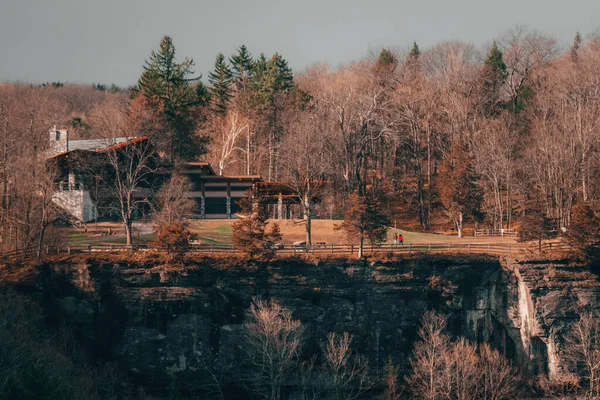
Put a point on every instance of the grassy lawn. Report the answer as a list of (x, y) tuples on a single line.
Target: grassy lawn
[(416, 237), (220, 232), (213, 231)]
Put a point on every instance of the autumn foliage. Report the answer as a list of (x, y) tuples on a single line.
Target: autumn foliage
[(250, 233), (584, 232), (175, 238)]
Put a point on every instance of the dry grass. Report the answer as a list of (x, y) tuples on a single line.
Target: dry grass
[(218, 231)]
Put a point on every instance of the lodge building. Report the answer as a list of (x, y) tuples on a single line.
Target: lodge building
[(216, 196)]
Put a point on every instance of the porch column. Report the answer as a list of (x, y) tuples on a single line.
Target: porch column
[(71, 180), (280, 206), (228, 200), (202, 201)]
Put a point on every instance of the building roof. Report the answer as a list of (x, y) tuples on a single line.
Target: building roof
[(94, 144), (98, 145)]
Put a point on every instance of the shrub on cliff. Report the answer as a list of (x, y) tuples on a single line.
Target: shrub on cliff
[(175, 238)]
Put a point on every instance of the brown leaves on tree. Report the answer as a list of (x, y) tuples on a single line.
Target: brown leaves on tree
[(175, 238), (250, 233), (584, 232)]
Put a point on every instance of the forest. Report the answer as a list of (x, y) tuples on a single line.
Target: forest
[(454, 136)]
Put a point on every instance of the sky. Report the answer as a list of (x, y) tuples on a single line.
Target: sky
[(107, 41)]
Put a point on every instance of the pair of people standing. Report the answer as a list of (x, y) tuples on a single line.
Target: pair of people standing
[(398, 239)]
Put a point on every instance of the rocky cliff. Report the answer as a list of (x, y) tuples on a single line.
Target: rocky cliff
[(183, 325)]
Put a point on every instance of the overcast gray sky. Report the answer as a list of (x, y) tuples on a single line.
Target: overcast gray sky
[(107, 40)]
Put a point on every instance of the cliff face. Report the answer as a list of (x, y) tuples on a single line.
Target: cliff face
[(552, 296), (184, 324)]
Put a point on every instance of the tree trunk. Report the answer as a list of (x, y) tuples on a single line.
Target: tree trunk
[(128, 233), (248, 154), (459, 225), (41, 238), (308, 219), (360, 248)]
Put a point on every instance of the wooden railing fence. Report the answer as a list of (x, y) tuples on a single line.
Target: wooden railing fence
[(410, 248)]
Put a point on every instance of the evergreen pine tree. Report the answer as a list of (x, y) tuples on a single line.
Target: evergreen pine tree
[(241, 67), (493, 79), (386, 58), (364, 220), (575, 47), (415, 53), (262, 81), (283, 78), (460, 194), (167, 84), (535, 224), (385, 66), (412, 61), (220, 79)]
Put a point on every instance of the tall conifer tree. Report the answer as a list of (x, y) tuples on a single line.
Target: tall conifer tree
[(241, 67), (574, 51), (168, 85), (494, 76), (415, 53), (220, 80), (283, 78)]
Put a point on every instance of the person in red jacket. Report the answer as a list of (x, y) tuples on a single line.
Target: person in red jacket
[(401, 239)]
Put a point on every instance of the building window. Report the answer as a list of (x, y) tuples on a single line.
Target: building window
[(57, 135), (216, 205)]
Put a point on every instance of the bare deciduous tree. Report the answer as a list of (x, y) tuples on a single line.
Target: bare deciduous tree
[(393, 390), (459, 370), (347, 371), (231, 128), (275, 340), (499, 378), (132, 164), (306, 166), (582, 351), (429, 378), (171, 203)]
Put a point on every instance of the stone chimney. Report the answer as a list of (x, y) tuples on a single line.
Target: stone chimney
[(59, 141)]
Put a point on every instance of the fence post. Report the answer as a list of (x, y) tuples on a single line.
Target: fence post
[(429, 247), (90, 248), (352, 248), (550, 244), (47, 250), (469, 248), (69, 250), (331, 248), (410, 248), (509, 249), (489, 248)]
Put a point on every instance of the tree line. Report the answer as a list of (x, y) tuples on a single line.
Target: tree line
[(438, 138)]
